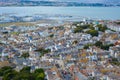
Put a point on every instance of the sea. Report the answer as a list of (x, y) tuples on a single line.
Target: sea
[(106, 13)]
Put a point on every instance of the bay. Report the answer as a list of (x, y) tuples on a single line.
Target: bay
[(111, 13)]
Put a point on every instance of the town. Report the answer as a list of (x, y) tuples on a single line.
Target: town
[(82, 50)]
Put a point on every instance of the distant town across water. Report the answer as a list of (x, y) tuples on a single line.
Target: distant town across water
[(59, 43), (106, 13)]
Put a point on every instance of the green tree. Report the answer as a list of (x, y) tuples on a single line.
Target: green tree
[(51, 35), (87, 46), (104, 47), (98, 44), (25, 55), (115, 61), (75, 42), (9, 75), (43, 51), (102, 27), (40, 76), (26, 69), (91, 27), (5, 70), (92, 32), (77, 30), (39, 70), (22, 76), (107, 46)]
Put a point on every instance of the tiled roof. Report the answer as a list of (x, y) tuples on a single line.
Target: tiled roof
[(4, 63)]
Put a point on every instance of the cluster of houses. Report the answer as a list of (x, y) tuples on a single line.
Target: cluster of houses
[(67, 59), (13, 18)]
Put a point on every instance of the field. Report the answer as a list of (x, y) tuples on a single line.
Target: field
[(17, 24)]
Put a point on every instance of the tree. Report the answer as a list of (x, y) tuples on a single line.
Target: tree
[(22, 76), (98, 44), (91, 27), (102, 27), (25, 55), (51, 35), (77, 30), (80, 28), (117, 22), (43, 51), (86, 26), (40, 76), (39, 73), (92, 32), (39, 70), (5, 70), (25, 69), (104, 47), (87, 46), (61, 27), (75, 42), (9, 73), (115, 61)]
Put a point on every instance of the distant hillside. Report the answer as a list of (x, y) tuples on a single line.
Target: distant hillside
[(10, 0), (55, 3), (81, 1)]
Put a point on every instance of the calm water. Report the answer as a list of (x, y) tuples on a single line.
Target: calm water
[(90, 12)]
